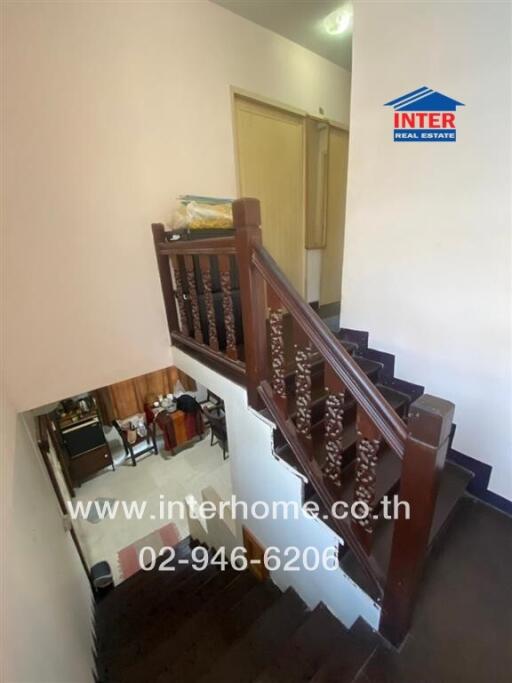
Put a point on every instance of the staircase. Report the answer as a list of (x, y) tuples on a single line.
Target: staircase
[(379, 368), (218, 626), (354, 431)]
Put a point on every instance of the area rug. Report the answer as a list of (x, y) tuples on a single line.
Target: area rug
[(128, 558)]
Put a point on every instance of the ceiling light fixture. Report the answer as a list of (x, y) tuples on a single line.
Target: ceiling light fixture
[(338, 21)]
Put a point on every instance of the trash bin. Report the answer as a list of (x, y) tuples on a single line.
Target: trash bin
[(101, 577)]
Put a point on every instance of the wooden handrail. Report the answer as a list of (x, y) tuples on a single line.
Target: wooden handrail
[(215, 245), (366, 395), (265, 296)]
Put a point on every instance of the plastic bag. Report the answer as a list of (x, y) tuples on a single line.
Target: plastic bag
[(196, 215), (209, 216)]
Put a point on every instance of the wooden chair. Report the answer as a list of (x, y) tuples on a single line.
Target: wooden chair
[(129, 448), (216, 419)]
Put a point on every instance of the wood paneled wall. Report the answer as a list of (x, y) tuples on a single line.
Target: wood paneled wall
[(124, 399)]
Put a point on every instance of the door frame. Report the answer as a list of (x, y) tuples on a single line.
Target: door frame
[(235, 92), (44, 435)]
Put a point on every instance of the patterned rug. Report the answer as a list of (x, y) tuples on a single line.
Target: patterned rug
[(128, 557)]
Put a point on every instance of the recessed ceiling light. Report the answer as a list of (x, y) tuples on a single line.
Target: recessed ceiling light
[(338, 21)]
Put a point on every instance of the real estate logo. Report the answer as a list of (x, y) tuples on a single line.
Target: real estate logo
[(424, 115)]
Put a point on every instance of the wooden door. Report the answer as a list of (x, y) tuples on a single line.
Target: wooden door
[(255, 554), (270, 148), (332, 255)]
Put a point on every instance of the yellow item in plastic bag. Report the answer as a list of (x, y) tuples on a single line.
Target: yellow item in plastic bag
[(209, 216)]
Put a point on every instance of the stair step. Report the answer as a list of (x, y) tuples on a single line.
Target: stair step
[(253, 652), (454, 481), (304, 652), (344, 662), (358, 337), (202, 655), (132, 594), (398, 400), (192, 631), (370, 367), (142, 629)]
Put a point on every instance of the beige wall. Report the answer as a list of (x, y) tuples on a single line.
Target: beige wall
[(428, 229), (46, 602), (112, 109)]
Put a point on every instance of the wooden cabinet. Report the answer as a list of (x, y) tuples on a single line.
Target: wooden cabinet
[(86, 464)]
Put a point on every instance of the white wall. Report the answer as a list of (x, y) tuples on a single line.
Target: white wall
[(112, 109), (258, 476), (427, 241), (46, 602)]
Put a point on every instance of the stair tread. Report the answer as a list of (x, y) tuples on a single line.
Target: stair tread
[(201, 656), (302, 655), (182, 550), (396, 399), (192, 631), (368, 366), (344, 662), (132, 593), (454, 481), (253, 651), (125, 642)]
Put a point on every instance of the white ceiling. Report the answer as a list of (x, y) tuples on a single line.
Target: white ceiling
[(300, 21)]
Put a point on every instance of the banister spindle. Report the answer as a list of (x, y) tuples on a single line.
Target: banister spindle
[(303, 396), (277, 358), (206, 275), (180, 296), (367, 448), (227, 305), (194, 303), (334, 409)]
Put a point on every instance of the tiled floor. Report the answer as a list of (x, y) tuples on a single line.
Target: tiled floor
[(154, 477)]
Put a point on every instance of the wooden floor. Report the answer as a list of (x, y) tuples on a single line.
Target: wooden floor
[(224, 626), (462, 630)]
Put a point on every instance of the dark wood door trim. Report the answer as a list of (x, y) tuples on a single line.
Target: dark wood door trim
[(44, 432)]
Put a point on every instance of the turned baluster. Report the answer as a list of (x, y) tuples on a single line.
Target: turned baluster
[(180, 296), (334, 409), (367, 448), (206, 275), (192, 293), (303, 395), (227, 306), (277, 357)]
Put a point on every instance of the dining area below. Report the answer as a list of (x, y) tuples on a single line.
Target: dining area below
[(155, 437)]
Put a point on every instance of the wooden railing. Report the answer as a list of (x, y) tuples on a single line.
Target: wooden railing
[(202, 298), (266, 299)]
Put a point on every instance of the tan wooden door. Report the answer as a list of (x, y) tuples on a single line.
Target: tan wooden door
[(332, 255), (255, 555), (270, 148)]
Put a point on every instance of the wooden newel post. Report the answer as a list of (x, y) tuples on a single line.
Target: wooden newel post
[(429, 425), (164, 269), (246, 221)]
